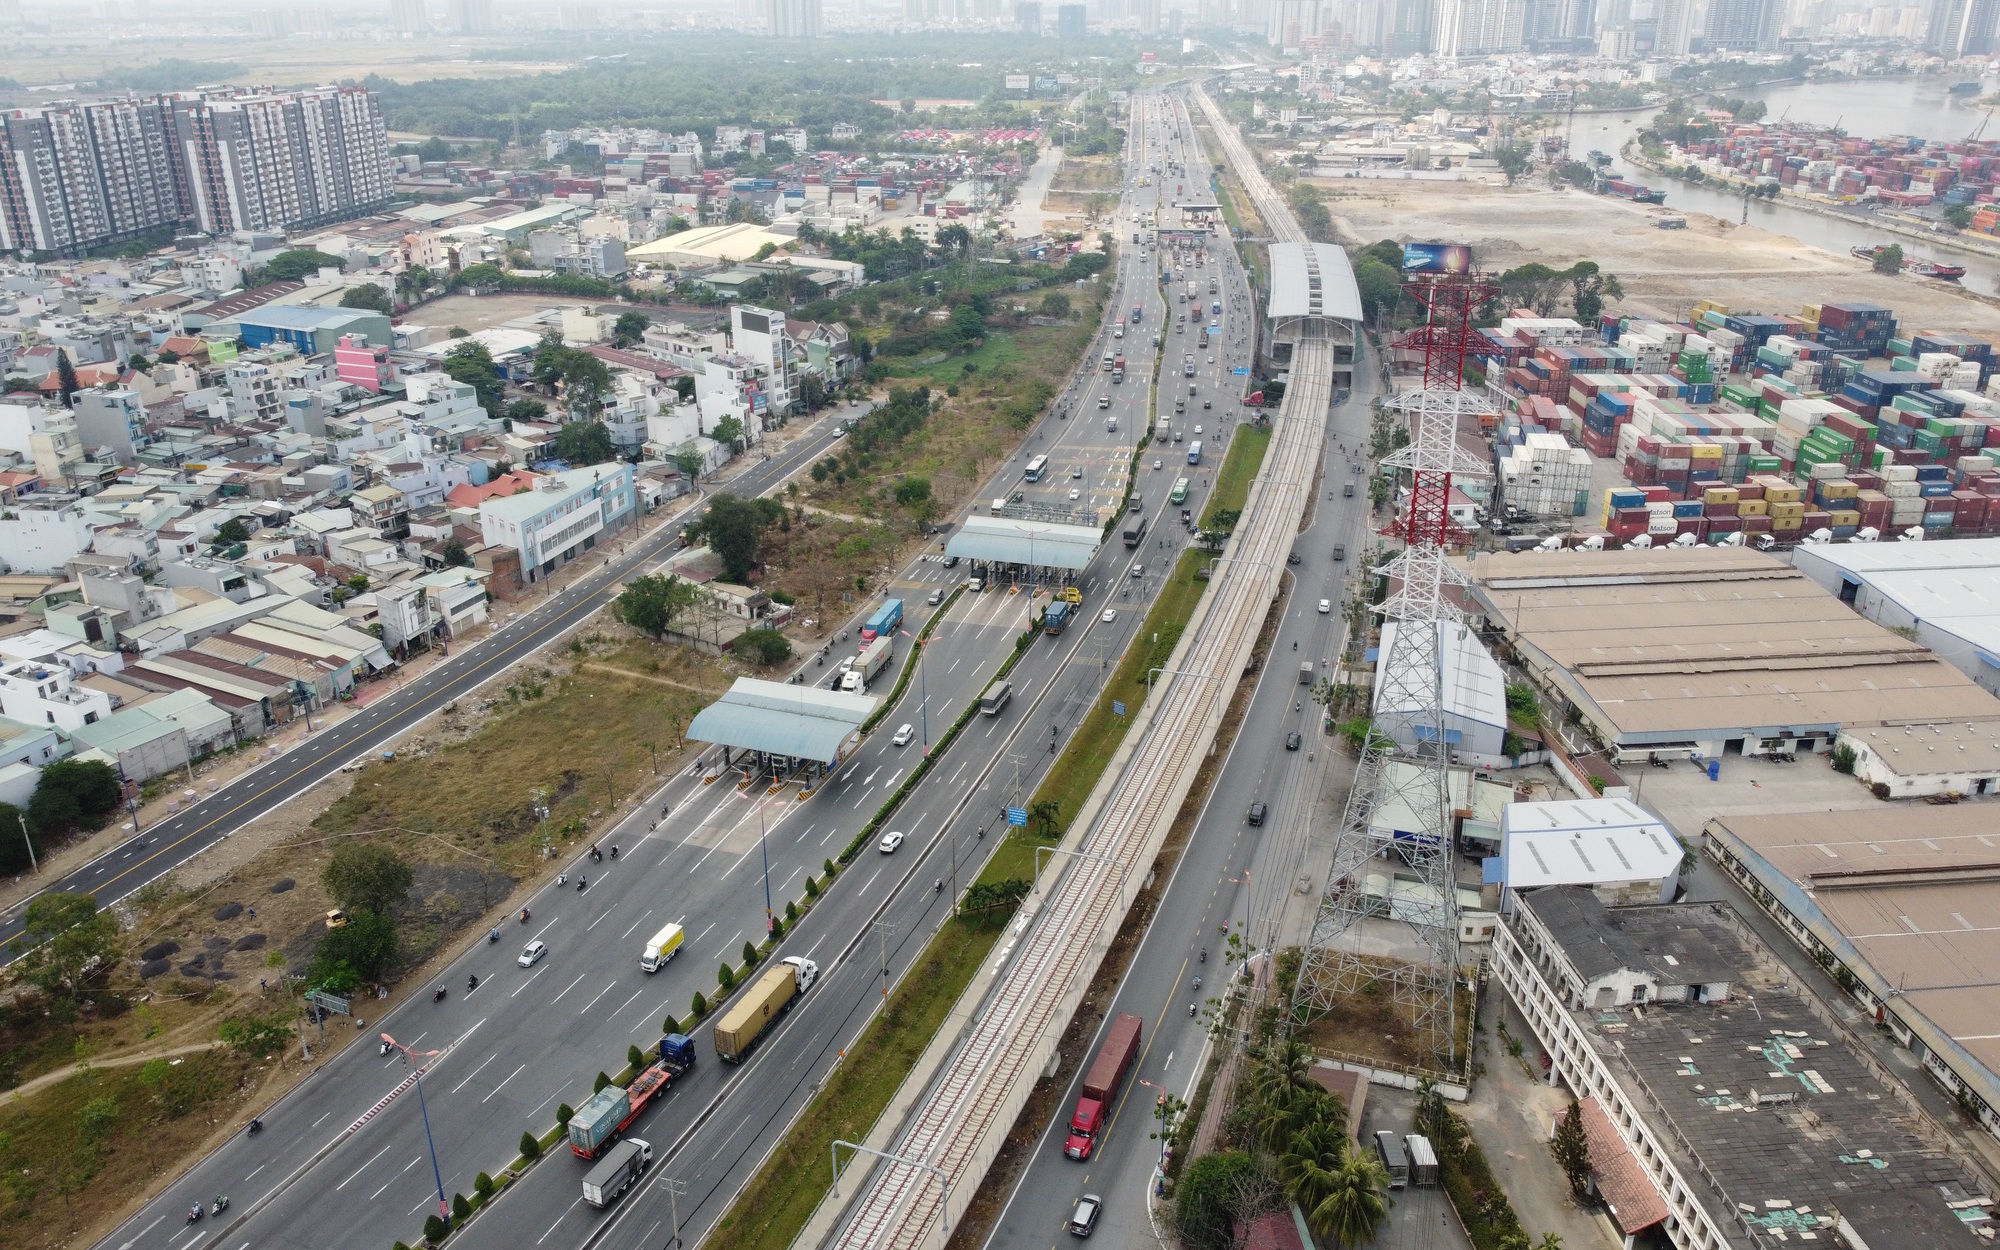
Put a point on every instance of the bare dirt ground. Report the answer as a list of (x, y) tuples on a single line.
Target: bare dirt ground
[(481, 312), (283, 63), (1663, 271)]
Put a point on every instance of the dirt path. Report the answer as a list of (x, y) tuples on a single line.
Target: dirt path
[(47, 1079), (658, 681)]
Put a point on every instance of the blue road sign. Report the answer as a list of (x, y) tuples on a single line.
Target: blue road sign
[(1017, 816), (1241, 371), (1117, 708)]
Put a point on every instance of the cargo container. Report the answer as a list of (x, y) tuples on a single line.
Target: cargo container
[(620, 1166), (739, 1029), (874, 656), (1423, 1160), (1101, 1084), (611, 1109), (886, 618)]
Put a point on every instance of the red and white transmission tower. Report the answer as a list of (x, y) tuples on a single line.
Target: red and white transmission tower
[(1405, 765)]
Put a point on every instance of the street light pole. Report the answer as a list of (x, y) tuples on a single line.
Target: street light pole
[(37, 868), (437, 1175), (923, 689), (764, 851)]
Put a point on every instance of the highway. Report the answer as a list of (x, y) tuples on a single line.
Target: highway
[(956, 1127), (332, 1156), (164, 846)]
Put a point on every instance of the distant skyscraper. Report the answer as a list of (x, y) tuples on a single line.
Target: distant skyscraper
[(1962, 27), (1072, 21), (578, 17), (1752, 25), (471, 17), (1028, 17), (410, 17), (1674, 22), (1149, 16), (793, 19), (1290, 21)]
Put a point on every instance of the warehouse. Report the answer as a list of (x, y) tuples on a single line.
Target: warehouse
[(1475, 701), (1753, 1117), (1904, 914), (1712, 652), (1947, 593), (1617, 850)]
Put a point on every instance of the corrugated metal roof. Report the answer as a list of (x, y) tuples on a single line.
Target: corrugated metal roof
[(783, 719), (1313, 280), (1042, 544)]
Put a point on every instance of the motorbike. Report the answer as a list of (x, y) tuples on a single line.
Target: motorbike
[(471, 984), (437, 995), (1204, 954), (1191, 1009), (614, 852), (524, 915), (220, 1205), (384, 1051), (256, 1127), (492, 936), (1197, 983), (194, 1213), (582, 884)]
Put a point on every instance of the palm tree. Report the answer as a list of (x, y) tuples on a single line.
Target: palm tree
[(1355, 1202), (1310, 1162)]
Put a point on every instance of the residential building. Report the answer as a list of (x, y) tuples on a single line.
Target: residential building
[(358, 363), (758, 334), (1963, 27), (471, 17), (45, 694), (405, 612), (112, 421), (1673, 32), (457, 600), (1028, 17), (561, 518), (1752, 25), (1072, 22), (383, 510), (410, 17), (78, 176), (792, 19)]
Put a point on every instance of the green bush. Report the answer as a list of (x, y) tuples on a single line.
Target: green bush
[(435, 1228), (671, 1025), (531, 1149), (635, 1058), (597, 1086), (483, 1185), (461, 1208), (700, 1006), (812, 887), (749, 956), (791, 912), (726, 977), (563, 1114), (1844, 759), (828, 866)]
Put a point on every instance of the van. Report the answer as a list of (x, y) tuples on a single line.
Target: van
[(1347, 490), (1395, 1161), (850, 681), (661, 947), (998, 505)]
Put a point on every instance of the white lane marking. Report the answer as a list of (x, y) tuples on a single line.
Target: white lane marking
[(705, 932), (600, 920), (503, 1084), (559, 1219), (392, 1180), (864, 796), (636, 923), (733, 867), (475, 1072), (525, 984), (593, 1002), (565, 989), (363, 1168), (809, 829), (628, 1002), (829, 834)]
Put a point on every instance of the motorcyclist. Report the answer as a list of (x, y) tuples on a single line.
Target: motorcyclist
[(471, 983)]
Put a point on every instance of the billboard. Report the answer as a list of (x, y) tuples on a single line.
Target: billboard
[(1436, 258), (1017, 82)]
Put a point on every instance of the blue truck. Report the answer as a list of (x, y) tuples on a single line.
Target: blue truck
[(1057, 617), (886, 618)]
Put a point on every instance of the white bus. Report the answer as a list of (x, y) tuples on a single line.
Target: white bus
[(1036, 468)]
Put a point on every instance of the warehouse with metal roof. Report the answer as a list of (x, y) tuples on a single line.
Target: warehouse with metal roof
[(1711, 651), (1313, 292), (1029, 543), (789, 722), (1905, 915), (1947, 593)]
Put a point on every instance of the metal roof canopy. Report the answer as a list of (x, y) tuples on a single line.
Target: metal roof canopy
[(782, 719), (1312, 280), (1040, 544)]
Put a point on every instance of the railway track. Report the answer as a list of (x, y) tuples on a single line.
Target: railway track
[(979, 1092)]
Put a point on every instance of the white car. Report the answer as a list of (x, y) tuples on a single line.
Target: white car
[(1156, 462), (889, 843), (903, 736), (1325, 606), (1110, 615), (532, 953), (1075, 493)]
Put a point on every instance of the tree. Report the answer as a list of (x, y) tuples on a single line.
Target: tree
[(1572, 1149), (1535, 286), (728, 430), (583, 442), (16, 836), (1355, 1202), (1311, 1163), (456, 556), (366, 944), (734, 527), (296, 263), (66, 381), (232, 531), (1515, 159), (364, 877), (139, 363), (525, 410), (629, 329), (1055, 304), (1438, 1123), (1887, 260), (652, 602), (689, 462), (433, 150), (369, 296), (913, 495), (1381, 287), (74, 794), (1204, 1206), (585, 382), (469, 362), (763, 646), (65, 940), (813, 392), (1589, 288), (1959, 215)]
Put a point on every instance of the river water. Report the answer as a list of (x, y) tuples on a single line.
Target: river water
[(1868, 108)]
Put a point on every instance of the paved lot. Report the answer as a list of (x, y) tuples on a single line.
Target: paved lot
[(1422, 1218)]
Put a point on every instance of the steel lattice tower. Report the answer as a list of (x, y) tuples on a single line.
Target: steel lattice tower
[(1405, 764)]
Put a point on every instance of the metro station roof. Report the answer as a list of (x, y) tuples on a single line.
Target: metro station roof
[(1041, 544), (1313, 280), (783, 719)]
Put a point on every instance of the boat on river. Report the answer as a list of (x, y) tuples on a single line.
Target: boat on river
[(1915, 266)]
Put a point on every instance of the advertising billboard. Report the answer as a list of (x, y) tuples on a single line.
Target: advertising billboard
[(1017, 82), (1436, 258)]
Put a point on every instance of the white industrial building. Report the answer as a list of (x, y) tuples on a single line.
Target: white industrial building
[(1475, 700), (1614, 848), (1946, 592)]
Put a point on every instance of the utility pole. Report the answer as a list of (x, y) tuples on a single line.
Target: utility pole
[(882, 931), (676, 1190)]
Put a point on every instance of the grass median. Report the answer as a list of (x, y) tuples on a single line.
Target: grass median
[(775, 1205), (1239, 469)]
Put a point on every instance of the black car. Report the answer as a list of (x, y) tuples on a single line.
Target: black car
[(1293, 558), (1256, 814), (1292, 740), (951, 562)]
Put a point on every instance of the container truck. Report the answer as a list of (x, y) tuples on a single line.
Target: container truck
[(611, 1109), (614, 1175), (874, 656), (772, 996), (1100, 1086), (995, 698), (663, 946), (886, 618), (1057, 617)]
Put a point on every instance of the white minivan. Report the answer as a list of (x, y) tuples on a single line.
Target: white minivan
[(661, 947)]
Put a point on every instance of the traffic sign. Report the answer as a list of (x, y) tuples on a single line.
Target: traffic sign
[(1117, 708), (1018, 816), (1241, 371), (328, 1002)]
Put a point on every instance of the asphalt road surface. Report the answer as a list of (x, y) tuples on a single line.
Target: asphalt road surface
[(334, 1156)]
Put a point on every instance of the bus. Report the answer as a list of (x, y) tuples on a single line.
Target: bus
[(1179, 495), (1135, 532), (1036, 468), (1194, 452)]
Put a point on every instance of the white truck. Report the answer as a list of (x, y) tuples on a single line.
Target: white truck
[(873, 657), (615, 1172)]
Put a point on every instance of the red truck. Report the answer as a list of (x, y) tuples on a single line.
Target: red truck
[(1100, 1086)]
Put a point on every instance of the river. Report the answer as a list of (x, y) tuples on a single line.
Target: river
[(1869, 108)]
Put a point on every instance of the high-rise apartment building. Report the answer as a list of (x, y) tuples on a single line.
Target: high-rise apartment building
[(409, 17), (793, 19), (1752, 25), (472, 17), (1288, 22), (1028, 17), (79, 176), (1963, 27), (1148, 13), (1479, 27), (1072, 21), (1673, 27)]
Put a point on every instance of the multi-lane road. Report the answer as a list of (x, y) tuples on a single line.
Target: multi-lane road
[(335, 1167)]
